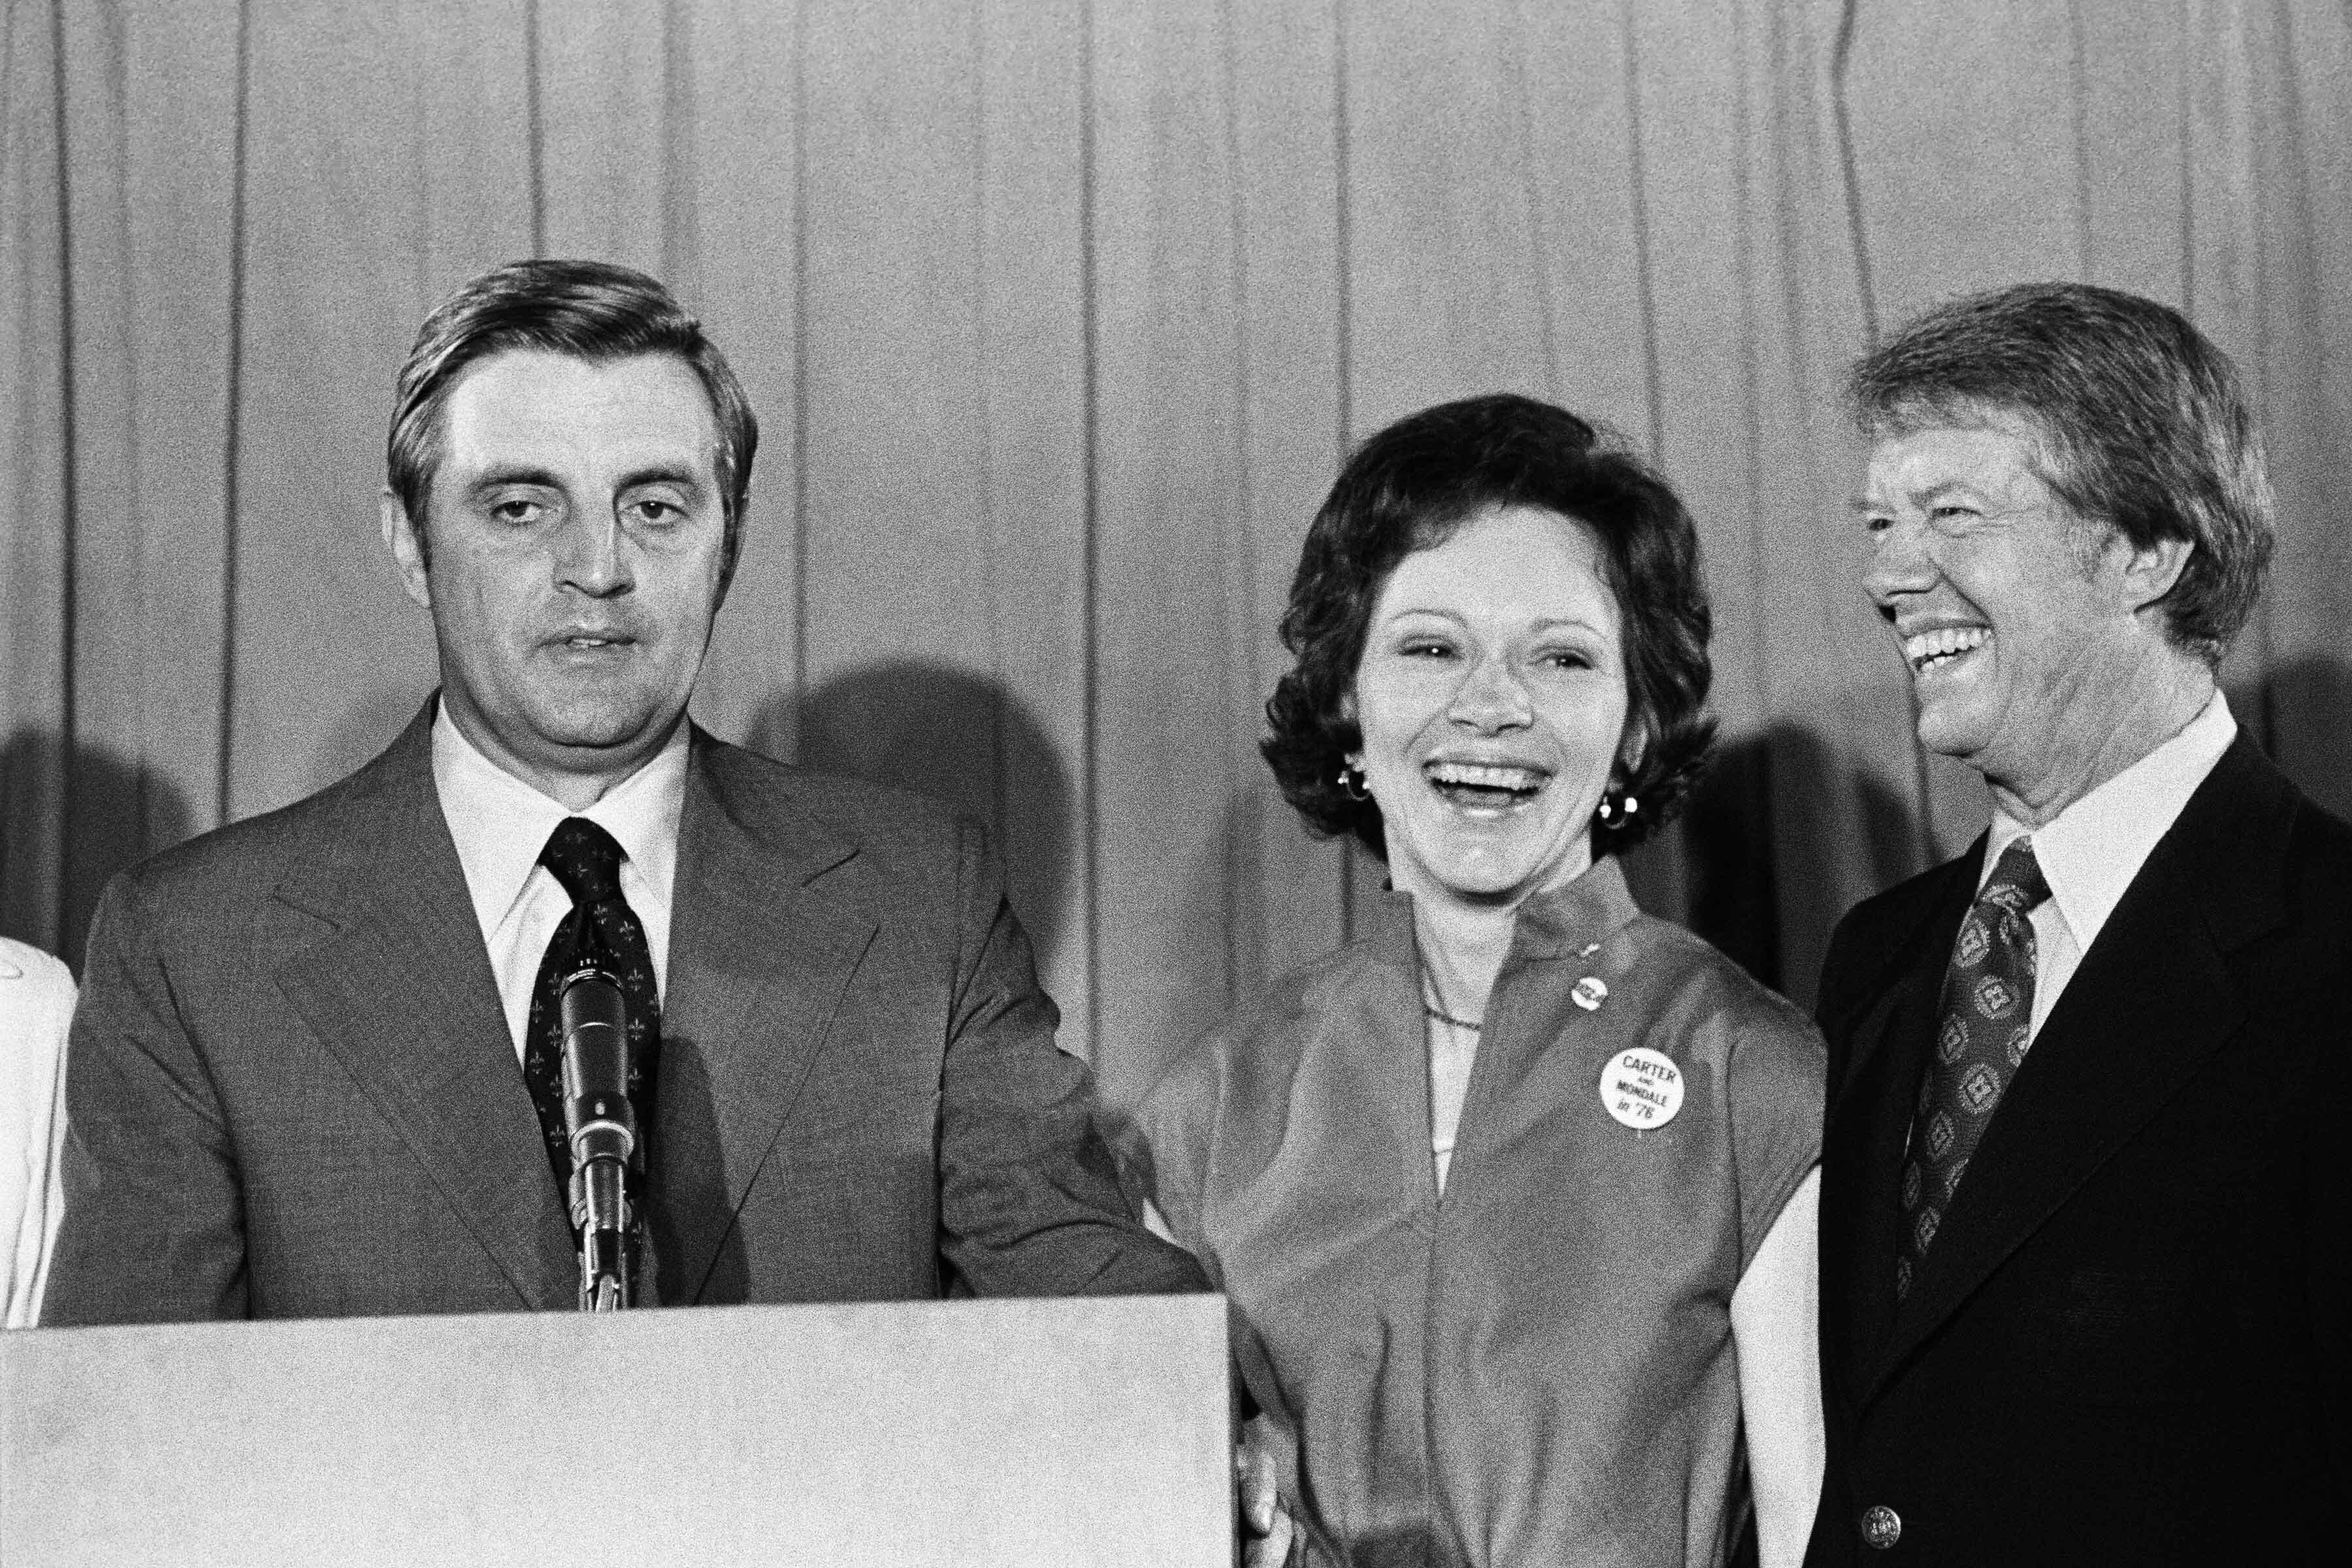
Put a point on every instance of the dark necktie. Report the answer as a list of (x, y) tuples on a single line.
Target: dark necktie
[(601, 929), (1987, 1014)]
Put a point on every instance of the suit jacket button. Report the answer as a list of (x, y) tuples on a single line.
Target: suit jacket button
[(1881, 1527)]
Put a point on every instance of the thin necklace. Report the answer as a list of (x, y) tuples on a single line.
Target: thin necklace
[(1430, 1007)]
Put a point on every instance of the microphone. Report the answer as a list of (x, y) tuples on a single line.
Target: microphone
[(602, 1126)]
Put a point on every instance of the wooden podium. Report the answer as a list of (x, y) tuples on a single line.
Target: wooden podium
[(970, 1433)]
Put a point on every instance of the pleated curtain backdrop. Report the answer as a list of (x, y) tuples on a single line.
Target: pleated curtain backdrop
[(1060, 317)]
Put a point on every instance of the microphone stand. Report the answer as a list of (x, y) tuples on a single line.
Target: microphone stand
[(602, 1126)]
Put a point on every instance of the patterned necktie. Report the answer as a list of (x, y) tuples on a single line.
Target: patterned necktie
[(1987, 1013), (601, 929)]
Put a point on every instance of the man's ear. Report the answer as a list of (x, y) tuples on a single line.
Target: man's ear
[(408, 549), (2150, 572), (731, 555)]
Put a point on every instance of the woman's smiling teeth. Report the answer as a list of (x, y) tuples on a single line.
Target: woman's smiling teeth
[(1933, 650), (1485, 784)]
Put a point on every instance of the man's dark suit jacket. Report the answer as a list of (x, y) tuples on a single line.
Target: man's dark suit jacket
[(293, 1094), (2129, 1343)]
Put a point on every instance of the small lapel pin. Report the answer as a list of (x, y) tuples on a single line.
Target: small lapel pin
[(1590, 992)]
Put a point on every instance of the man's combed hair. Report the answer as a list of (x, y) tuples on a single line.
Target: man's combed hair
[(1407, 489), (2142, 425), (590, 309)]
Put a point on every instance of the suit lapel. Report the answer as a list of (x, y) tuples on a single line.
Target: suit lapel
[(1870, 1104), (1900, 1012), (388, 968), (2153, 998), (759, 962)]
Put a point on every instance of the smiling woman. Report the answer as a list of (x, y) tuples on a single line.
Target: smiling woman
[(1491, 700), (1513, 1193)]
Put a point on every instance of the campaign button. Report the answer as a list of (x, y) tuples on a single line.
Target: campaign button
[(1641, 1087)]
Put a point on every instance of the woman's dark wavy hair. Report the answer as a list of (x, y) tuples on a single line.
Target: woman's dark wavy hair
[(1407, 489)]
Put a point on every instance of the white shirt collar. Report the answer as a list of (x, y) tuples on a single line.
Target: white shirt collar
[(500, 824), (2090, 852)]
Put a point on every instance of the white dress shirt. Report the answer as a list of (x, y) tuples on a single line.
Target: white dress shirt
[(2090, 852), (501, 823)]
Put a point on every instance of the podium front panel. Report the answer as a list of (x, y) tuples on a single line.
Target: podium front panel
[(1049, 1432)]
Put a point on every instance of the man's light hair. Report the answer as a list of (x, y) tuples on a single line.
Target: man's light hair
[(2140, 423), (590, 309)]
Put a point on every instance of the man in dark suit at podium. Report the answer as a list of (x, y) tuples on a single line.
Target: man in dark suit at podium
[(2086, 1212), (315, 1068)]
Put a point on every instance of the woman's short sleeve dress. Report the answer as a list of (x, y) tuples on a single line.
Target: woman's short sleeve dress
[(1537, 1368)]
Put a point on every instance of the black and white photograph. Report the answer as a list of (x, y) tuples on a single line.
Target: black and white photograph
[(1272, 784)]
